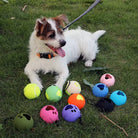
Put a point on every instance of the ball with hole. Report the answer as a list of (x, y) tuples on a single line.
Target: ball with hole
[(107, 79), (23, 121), (118, 97), (49, 114), (71, 113), (105, 105), (100, 90), (31, 91), (72, 87), (53, 93)]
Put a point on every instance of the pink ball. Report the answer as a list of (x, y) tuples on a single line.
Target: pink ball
[(107, 79), (49, 114)]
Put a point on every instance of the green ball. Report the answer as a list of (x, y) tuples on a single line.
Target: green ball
[(53, 93), (23, 121), (31, 91)]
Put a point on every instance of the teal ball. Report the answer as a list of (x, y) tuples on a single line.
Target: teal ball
[(118, 97)]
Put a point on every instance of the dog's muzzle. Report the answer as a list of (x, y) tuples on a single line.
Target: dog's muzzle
[(62, 43), (59, 50)]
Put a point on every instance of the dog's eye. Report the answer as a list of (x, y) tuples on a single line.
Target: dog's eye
[(52, 35), (61, 31)]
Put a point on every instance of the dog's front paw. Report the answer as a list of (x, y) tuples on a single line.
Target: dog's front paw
[(59, 86), (88, 63), (40, 86)]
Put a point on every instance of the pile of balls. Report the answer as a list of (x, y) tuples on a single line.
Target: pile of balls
[(117, 97), (76, 101), (49, 113), (70, 112)]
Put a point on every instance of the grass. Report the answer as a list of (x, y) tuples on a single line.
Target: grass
[(118, 52)]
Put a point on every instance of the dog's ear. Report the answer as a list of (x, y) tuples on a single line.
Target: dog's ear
[(39, 26), (61, 19)]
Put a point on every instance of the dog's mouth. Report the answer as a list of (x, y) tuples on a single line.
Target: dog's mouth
[(58, 51)]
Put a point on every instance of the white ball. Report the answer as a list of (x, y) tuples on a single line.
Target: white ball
[(72, 87)]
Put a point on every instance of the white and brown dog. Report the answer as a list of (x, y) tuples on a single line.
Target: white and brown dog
[(51, 49)]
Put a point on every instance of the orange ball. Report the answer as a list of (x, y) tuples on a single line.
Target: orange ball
[(77, 99)]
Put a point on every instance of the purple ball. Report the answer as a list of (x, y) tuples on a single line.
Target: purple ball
[(71, 113), (100, 90)]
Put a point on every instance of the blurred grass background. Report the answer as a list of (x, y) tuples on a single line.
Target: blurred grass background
[(118, 52)]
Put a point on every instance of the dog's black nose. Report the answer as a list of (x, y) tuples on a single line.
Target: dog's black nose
[(62, 42)]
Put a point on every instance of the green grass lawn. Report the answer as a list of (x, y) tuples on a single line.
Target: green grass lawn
[(118, 52)]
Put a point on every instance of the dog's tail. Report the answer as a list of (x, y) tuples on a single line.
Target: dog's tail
[(96, 35)]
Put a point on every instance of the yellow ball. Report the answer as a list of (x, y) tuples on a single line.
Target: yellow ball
[(31, 91), (72, 87)]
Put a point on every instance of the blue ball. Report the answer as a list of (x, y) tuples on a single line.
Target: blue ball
[(100, 90), (118, 97)]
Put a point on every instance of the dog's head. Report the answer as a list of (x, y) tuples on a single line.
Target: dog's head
[(50, 32)]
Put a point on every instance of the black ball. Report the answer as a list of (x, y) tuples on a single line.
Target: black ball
[(105, 105)]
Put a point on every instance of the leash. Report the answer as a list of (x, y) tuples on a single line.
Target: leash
[(90, 8)]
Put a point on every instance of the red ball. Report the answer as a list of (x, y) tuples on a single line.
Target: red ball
[(77, 99)]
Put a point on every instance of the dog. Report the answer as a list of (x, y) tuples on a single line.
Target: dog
[(51, 49)]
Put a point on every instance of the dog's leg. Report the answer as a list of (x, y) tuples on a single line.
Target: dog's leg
[(91, 50), (89, 56), (62, 77), (88, 63), (32, 75)]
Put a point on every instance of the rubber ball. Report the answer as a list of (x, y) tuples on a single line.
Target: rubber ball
[(118, 97), (71, 113), (107, 79), (23, 121), (49, 114), (105, 105), (100, 90)]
